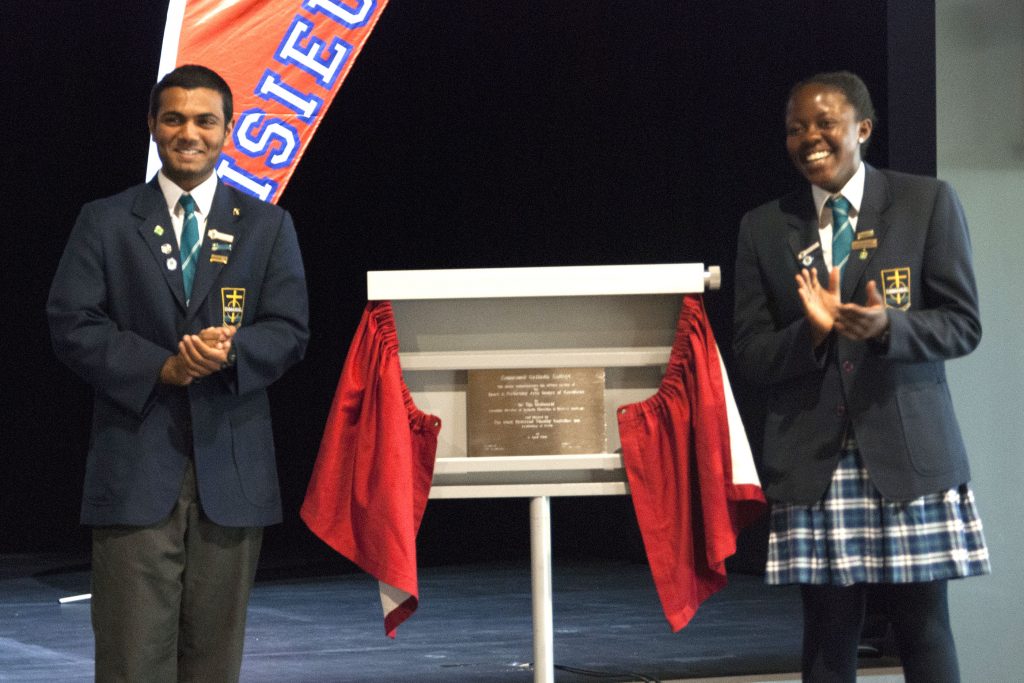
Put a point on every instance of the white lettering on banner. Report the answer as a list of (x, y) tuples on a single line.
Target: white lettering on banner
[(350, 18), (233, 174), (274, 130), (312, 44), (292, 51), (272, 87)]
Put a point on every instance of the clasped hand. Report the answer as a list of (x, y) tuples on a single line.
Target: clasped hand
[(199, 355), (826, 311)]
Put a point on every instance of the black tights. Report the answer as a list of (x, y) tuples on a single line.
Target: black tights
[(919, 613)]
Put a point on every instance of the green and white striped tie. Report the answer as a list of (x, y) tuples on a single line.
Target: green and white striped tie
[(842, 231), (189, 244)]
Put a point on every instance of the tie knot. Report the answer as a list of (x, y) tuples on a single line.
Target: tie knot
[(839, 203), (187, 203)]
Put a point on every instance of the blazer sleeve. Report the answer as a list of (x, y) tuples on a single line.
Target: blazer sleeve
[(277, 337), (947, 324), (116, 362), (772, 338)]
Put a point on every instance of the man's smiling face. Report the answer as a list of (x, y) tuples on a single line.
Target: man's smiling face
[(189, 131)]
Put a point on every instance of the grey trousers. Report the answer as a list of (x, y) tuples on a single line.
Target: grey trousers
[(169, 601)]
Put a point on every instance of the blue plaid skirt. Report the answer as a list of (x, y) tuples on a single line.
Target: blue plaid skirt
[(854, 535)]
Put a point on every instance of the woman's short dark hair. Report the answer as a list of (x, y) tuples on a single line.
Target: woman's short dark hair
[(190, 77)]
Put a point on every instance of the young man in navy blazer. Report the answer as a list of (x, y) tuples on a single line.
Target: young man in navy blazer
[(179, 346)]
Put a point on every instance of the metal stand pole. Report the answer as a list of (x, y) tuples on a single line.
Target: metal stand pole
[(540, 572)]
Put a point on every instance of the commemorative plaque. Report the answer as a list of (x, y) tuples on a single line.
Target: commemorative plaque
[(548, 411)]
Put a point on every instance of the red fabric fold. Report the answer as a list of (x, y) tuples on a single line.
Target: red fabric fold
[(676, 451), (372, 475)]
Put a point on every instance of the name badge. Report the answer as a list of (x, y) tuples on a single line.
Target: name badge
[(215, 234)]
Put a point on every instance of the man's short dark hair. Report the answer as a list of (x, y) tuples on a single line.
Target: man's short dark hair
[(190, 77), (853, 89)]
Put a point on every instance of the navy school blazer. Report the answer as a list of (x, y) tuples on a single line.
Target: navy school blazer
[(117, 311), (914, 243)]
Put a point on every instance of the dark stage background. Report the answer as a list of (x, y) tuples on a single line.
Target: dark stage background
[(468, 134)]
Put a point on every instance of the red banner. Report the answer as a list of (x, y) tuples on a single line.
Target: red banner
[(284, 60)]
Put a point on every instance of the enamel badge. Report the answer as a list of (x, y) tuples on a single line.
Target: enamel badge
[(864, 241), (806, 257), (896, 287), (220, 246), (232, 303)]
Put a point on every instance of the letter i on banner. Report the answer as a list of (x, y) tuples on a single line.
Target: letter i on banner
[(284, 60)]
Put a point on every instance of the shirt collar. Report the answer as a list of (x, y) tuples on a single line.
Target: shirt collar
[(853, 191), (202, 193)]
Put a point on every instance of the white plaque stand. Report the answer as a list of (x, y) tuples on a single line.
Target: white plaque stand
[(622, 318)]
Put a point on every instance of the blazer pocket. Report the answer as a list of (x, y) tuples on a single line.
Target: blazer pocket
[(930, 430), (252, 447), (105, 477)]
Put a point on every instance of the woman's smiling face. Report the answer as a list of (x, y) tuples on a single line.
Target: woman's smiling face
[(823, 135)]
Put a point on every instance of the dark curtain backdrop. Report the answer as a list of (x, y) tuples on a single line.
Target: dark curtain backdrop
[(468, 134)]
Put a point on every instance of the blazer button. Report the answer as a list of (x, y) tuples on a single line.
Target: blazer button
[(841, 409), (847, 366)]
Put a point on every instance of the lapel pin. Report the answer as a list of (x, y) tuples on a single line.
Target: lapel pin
[(235, 212), (172, 263), (165, 248), (222, 236), (158, 230), (805, 257)]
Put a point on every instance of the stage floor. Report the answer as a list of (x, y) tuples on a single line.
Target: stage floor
[(473, 626)]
